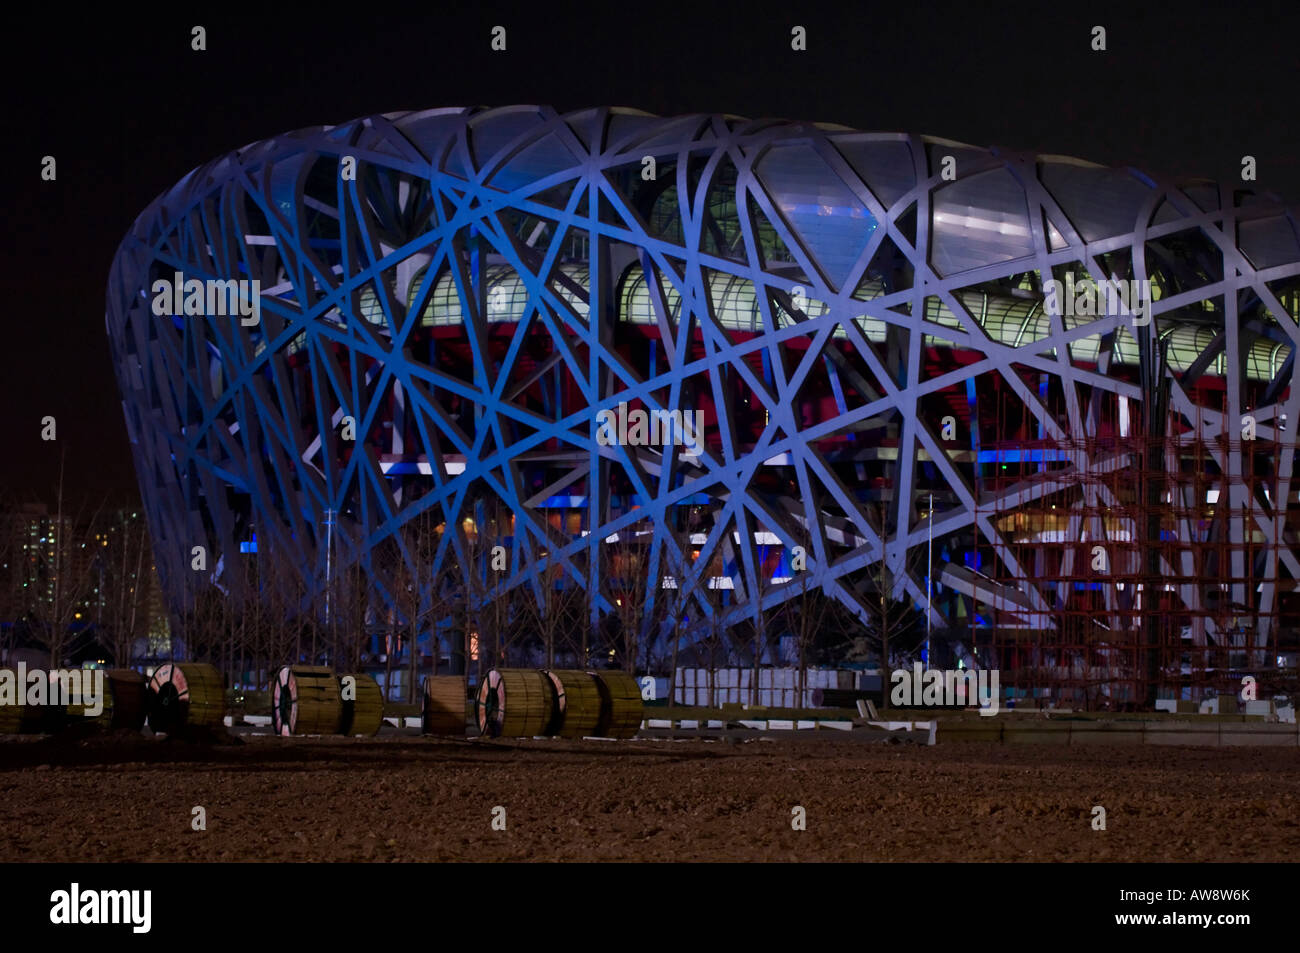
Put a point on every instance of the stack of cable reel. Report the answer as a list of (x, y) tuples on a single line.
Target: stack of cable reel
[(515, 703), (305, 700), (443, 711), (186, 695), (362, 705), (621, 708), (577, 707)]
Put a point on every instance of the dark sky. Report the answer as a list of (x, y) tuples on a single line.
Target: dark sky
[(127, 109)]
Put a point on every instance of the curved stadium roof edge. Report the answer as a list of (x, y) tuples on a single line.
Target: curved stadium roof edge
[(959, 244)]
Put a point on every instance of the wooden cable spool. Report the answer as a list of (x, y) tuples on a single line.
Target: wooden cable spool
[(445, 701), (124, 704), (18, 717), (363, 713), (621, 709), (305, 700), (515, 703), (577, 703), (186, 695)]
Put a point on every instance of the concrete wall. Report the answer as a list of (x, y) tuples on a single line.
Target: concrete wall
[(1122, 732)]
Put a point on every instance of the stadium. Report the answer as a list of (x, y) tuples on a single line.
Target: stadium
[(1007, 411)]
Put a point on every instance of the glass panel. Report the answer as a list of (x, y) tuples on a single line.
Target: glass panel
[(1100, 202), (831, 222), (978, 221)]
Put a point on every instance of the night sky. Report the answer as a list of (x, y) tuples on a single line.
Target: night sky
[(127, 109)]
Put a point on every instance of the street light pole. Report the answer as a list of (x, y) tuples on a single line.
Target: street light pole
[(329, 567), (929, 578)]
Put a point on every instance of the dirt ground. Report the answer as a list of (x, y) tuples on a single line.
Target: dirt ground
[(403, 798)]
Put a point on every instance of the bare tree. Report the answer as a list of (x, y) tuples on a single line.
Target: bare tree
[(419, 598), (60, 588), (893, 624), (126, 585), (13, 570), (804, 615), (490, 606), (669, 605), (768, 559), (546, 611), (627, 574), (713, 637)]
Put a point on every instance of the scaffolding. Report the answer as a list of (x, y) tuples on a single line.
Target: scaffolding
[(1137, 568)]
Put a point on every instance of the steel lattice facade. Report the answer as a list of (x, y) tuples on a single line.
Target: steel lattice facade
[(859, 318)]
